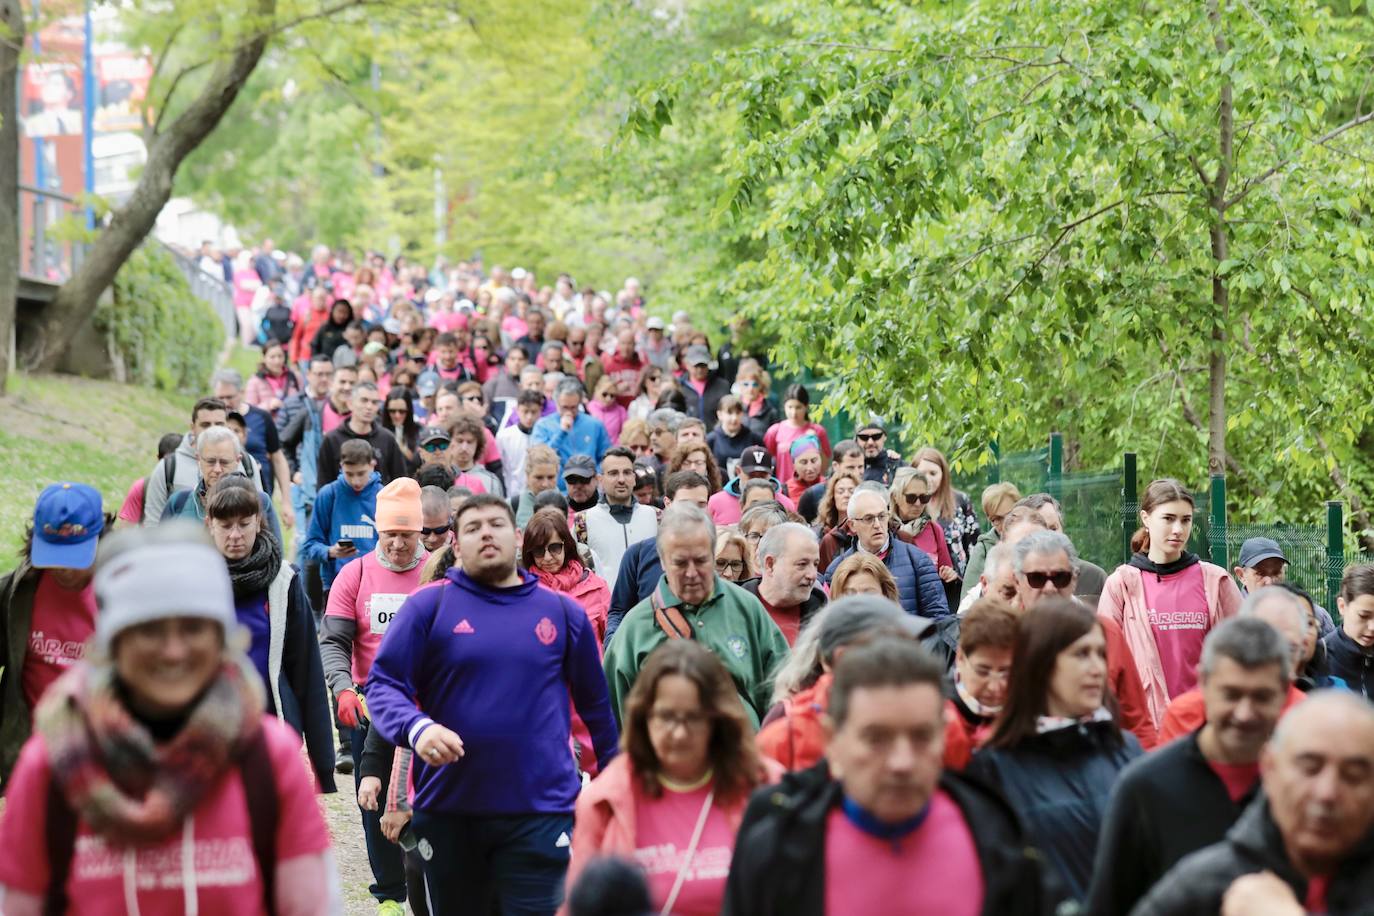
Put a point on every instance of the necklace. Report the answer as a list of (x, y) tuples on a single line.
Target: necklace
[(673, 785)]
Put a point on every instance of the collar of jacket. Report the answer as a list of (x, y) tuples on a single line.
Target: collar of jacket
[(668, 599)]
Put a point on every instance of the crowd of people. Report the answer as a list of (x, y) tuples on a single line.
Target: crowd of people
[(597, 622)]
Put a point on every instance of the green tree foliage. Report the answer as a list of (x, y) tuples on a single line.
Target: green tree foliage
[(1145, 228)]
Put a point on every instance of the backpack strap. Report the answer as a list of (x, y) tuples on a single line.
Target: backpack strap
[(60, 838), (260, 790), (169, 472), (670, 619)]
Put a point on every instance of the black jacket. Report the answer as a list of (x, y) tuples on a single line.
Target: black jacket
[(779, 860), (882, 468), (703, 406), (1350, 663), (729, 448), (1165, 806), (1059, 783), (1197, 884), (391, 461)]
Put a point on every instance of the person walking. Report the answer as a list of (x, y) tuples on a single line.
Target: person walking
[(494, 782), (154, 782), (270, 603), (1057, 751), (795, 424), (548, 551), (1166, 600), (672, 801), (364, 403), (1350, 649), (918, 584)]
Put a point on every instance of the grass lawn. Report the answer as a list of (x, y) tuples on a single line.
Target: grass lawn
[(61, 427)]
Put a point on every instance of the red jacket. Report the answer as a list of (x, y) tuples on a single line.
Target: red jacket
[(304, 333), (1126, 686), (797, 739), (961, 737)]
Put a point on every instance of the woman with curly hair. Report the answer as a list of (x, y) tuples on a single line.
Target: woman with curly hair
[(696, 456)]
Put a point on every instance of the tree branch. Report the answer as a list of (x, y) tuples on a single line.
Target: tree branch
[(1268, 173)]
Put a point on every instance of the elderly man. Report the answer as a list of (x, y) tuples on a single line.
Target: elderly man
[(571, 432), (1261, 563), (1303, 846), (1282, 610), (692, 602), (436, 529), (1044, 563), (884, 828), (218, 453), (1091, 577), (1187, 795), (178, 471), (919, 588), (264, 444), (997, 579), (788, 557)]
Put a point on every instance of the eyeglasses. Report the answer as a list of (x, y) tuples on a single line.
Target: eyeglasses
[(869, 437), (1060, 577), (397, 411), (916, 499), (553, 548), (434, 447), (476, 398), (749, 384), (431, 532), (755, 536), (729, 566), (879, 518), (641, 449), (667, 721)]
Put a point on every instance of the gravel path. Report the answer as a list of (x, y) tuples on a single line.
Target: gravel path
[(346, 833)]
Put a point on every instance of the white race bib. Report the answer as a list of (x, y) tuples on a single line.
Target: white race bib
[(381, 608)]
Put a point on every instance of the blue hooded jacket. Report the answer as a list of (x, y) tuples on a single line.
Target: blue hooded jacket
[(919, 589), (341, 512)]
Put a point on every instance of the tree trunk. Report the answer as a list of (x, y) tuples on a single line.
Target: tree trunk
[(11, 45), (1221, 246), (76, 299)]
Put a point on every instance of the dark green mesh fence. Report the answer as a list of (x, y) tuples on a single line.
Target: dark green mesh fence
[(1092, 514)]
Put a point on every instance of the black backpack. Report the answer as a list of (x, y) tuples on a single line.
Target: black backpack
[(255, 769)]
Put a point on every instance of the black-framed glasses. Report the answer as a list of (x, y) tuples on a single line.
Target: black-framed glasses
[(730, 566), (869, 437), (667, 721), (553, 548), (916, 499), (431, 532), (1060, 577)]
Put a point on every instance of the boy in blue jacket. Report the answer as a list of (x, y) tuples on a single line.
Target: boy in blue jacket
[(344, 512)]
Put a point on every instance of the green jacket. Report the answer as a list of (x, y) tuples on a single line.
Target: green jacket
[(731, 623), (16, 621), (978, 558)]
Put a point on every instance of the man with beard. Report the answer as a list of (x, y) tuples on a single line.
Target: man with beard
[(494, 782), (788, 559)]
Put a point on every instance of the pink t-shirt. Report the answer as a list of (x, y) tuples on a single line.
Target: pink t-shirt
[(369, 594), (63, 620), (663, 833), (131, 510), (1177, 605), (330, 420), (226, 873), (779, 439), (932, 870)]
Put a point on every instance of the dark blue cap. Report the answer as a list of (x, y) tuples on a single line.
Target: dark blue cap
[(67, 521)]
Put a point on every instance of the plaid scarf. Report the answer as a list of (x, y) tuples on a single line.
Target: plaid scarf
[(119, 781)]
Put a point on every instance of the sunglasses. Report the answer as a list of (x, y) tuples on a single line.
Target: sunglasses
[(553, 548), (1060, 577), (431, 532), (916, 499), (869, 437), (435, 447)]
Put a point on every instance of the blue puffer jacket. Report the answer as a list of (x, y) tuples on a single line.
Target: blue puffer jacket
[(919, 589), (1059, 783)]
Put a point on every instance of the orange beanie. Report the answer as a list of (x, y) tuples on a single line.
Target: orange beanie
[(398, 506)]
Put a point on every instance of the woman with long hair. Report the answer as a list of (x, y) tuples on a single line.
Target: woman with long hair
[(274, 382), (695, 456), (796, 423), (751, 387), (911, 497), (951, 508), (646, 398), (1165, 599), (399, 420), (682, 783), (1057, 750), (832, 519), (330, 335), (152, 757), (549, 551), (271, 605)]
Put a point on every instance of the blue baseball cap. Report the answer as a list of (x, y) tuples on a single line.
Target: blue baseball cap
[(67, 521)]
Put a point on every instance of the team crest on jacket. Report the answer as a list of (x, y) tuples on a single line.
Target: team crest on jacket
[(737, 646), (546, 631)]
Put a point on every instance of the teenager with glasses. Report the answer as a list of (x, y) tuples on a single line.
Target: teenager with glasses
[(1166, 599)]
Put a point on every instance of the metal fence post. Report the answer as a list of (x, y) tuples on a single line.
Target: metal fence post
[(1220, 555), (1130, 503), (1335, 552), (995, 469), (1054, 483)]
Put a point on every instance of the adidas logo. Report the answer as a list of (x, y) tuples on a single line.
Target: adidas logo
[(464, 627), (563, 841)]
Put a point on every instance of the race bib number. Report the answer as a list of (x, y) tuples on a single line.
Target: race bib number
[(381, 609)]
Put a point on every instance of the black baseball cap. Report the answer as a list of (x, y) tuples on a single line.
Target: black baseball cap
[(755, 458)]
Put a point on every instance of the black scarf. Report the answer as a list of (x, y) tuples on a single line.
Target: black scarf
[(251, 575)]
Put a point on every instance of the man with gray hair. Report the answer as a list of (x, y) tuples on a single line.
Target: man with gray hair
[(264, 443), (692, 602), (997, 579), (1187, 795), (919, 589), (1044, 564), (570, 431), (1283, 611), (788, 558), (218, 454), (1304, 845), (436, 527)]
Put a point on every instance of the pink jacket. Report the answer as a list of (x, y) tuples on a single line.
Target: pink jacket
[(605, 820), (1123, 601)]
